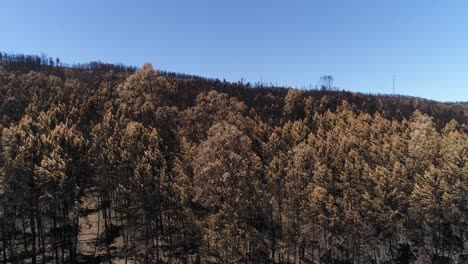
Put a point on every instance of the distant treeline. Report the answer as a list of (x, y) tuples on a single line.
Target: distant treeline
[(34, 62)]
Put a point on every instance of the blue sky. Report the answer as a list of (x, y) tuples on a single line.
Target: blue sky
[(292, 43)]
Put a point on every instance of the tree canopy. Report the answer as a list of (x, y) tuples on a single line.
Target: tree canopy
[(108, 163)]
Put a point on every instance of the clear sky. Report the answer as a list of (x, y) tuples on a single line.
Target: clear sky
[(361, 43)]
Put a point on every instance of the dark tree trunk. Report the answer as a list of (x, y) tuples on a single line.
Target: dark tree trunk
[(33, 237)]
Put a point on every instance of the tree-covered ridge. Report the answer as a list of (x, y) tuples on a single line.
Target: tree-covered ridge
[(107, 165)]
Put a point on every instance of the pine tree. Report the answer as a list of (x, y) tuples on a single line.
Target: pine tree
[(228, 189), (21, 152), (142, 93), (453, 165)]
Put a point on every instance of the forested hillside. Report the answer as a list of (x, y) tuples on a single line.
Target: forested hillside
[(103, 163)]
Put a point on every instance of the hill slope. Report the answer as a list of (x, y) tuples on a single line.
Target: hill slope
[(104, 163)]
